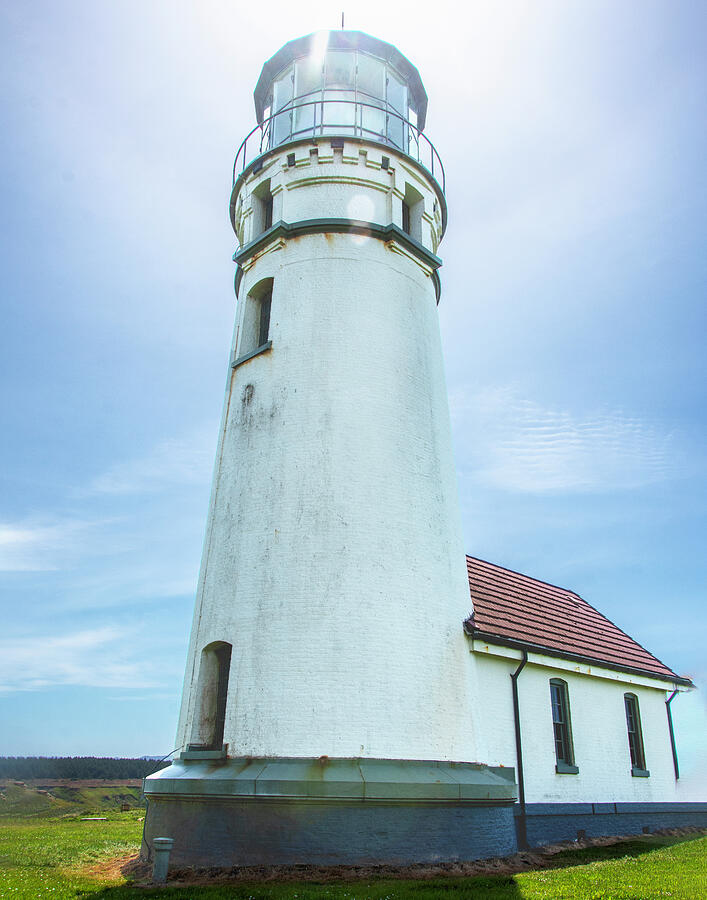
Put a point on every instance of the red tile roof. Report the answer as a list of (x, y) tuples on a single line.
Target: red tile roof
[(516, 608)]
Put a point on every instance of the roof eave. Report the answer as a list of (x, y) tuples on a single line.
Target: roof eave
[(503, 641)]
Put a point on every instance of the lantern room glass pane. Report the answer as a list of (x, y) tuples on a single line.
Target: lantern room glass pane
[(396, 131), (397, 95), (340, 67), (304, 115), (308, 76), (282, 98), (339, 117), (281, 126), (371, 76), (372, 117), (282, 90)]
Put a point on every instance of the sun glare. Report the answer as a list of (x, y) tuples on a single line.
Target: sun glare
[(319, 45)]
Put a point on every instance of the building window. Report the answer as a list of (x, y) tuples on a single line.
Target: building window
[(211, 696), (254, 335), (635, 737), (562, 728)]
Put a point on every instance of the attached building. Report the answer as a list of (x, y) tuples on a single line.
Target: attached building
[(576, 706)]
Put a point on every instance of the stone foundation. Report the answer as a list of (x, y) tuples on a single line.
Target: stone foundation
[(549, 823), (231, 812)]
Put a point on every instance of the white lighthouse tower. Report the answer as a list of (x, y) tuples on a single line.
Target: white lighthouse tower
[(329, 706)]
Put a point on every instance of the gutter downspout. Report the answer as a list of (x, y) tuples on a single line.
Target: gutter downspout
[(522, 830), (672, 734)]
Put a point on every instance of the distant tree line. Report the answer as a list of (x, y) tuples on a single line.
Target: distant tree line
[(26, 768)]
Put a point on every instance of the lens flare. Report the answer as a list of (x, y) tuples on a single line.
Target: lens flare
[(320, 42)]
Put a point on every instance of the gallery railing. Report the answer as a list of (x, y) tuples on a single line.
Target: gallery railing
[(339, 118)]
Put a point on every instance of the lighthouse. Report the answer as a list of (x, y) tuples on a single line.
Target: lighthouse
[(330, 711)]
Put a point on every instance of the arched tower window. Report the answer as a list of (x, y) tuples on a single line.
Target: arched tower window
[(212, 692), (255, 327)]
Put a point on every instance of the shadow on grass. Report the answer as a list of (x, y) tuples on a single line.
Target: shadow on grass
[(499, 887), (634, 847)]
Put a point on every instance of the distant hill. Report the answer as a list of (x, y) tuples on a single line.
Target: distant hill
[(28, 768), (78, 798)]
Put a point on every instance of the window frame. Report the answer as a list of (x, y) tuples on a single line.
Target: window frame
[(634, 733), (562, 728)]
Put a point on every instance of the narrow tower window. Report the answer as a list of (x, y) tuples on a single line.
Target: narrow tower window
[(406, 218), (264, 318), (562, 727), (262, 208), (635, 737), (413, 206), (212, 693)]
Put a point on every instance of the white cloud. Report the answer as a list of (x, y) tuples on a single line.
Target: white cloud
[(135, 533), (518, 445), (38, 546), (97, 657), (186, 460), (152, 573)]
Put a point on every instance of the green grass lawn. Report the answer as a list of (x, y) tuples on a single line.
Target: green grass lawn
[(46, 857), (58, 858)]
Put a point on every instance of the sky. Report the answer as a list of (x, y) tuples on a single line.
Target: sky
[(572, 317)]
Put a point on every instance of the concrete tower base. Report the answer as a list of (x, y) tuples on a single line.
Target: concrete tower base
[(234, 812)]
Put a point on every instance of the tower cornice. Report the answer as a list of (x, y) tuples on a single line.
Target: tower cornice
[(389, 234)]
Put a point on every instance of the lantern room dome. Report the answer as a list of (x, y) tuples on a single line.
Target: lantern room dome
[(344, 63)]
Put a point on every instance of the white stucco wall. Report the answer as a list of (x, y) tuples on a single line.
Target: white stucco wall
[(333, 561), (598, 730)]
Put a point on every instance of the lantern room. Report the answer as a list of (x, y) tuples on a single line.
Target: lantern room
[(343, 83)]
